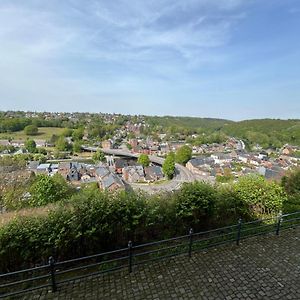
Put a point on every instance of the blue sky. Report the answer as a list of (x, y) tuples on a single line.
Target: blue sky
[(235, 59)]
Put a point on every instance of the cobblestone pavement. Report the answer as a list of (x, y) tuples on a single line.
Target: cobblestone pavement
[(266, 267)]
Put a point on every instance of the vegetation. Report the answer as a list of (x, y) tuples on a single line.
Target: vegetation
[(98, 156), (291, 185), (183, 155), (31, 130), (168, 166), (92, 220), (144, 160), (30, 146)]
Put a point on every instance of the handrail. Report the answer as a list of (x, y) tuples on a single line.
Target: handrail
[(132, 254)]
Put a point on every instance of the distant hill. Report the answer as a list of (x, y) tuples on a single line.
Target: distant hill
[(188, 122), (265, 132)]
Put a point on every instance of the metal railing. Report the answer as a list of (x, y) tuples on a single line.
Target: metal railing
[(55, 274)]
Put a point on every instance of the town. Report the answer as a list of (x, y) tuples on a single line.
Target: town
[(73, 141)]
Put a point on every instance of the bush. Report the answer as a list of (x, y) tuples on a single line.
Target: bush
[(31, 130)]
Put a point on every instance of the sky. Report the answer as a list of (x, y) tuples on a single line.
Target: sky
[(233, 59)]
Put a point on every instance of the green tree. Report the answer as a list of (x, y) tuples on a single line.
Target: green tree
[(98, 156), (30, 146), (62, 144), (31, 130), (183, 154), (78, 134), (46, 189), (77, 146), (195, 203), (263, 197), (291, 183), (144, 160), (67, 132), (168, 166)]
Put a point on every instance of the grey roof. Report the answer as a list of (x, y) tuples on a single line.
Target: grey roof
[(32, 165), (102, 171), (155, 170), (43, 166), (110, 180), (196, 162)]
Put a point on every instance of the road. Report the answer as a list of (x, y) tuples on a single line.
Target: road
[(182, 174)]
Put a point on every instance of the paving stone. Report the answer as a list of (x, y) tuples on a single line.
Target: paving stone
[(265, 267)]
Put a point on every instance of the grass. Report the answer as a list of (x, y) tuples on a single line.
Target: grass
[(44, 133)]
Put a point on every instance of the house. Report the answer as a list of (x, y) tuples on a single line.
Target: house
[(271, 174), (119, 165), (221, 158), (153, 173), (43, 169), (111, 183), (86, 178), (101, 172), (32, 166), (64, 168), (243, 158), (106, 144), (200, 166), (73, 174), (134, 173)]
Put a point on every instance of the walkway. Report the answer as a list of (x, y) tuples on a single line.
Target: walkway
[(266, 267)]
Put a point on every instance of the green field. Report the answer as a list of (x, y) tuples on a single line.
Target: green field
[(44, 133)]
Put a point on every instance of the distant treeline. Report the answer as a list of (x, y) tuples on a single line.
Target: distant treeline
[(267, 133)]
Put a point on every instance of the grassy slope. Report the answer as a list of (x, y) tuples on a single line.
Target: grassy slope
[(44, 134)]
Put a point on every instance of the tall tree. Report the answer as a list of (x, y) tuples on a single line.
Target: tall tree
[(30, 145), (183, 154), (144, 160), (168, 166)]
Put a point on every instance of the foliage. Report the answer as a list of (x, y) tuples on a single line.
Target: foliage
[(291, 185), (144, 160), (77, 146), (78, 134), (62, 144), (263, 197), (31, 130), (98, 156), (195, 203), (168, 166), (92, 220), (183, 154), (291, 182), (46, 189), (30, 146)]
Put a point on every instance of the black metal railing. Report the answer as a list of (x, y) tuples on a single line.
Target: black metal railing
[(55, 274)]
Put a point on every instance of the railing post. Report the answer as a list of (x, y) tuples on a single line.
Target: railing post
[(239, 227), (52, 270), (279, 219), (190, 241), (130, 256)]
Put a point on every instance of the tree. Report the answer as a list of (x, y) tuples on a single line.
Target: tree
[(62, 144), (30, 146), (31, 130), (77, 146), (195, 203), (98, 156), (291, 183), (46, 189), (144, 160), (78, 134), (183, 154), (168, 166), (263, 197)]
